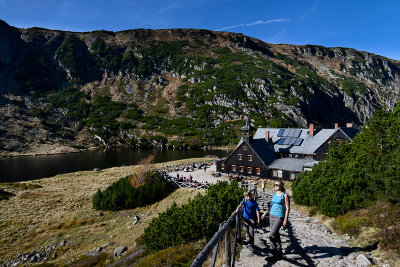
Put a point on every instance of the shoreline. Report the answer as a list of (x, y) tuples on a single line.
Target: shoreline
[(72, 150), (59, 215)]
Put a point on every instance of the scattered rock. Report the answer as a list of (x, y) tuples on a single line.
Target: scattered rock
[(353, 256), (63, 243), (99, 249), (100, 214), (112, 236), (363, 261), (119, 250), (135, 220), (96, 169)]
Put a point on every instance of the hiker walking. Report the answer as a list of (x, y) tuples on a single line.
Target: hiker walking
[(251, 212), (263, 184), (278, 216)]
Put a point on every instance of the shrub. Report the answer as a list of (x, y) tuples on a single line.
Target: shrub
[(197, 219), (5, 194), (356, 175), (350, 224), (181, 255), (389, 238), (121, 194)]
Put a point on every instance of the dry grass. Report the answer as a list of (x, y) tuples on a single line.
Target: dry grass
[(376, 223), (62, 209)]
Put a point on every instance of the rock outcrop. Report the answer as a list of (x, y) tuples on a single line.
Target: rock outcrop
[(184, 85)]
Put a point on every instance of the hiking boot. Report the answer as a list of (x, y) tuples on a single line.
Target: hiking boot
[(251, 248)]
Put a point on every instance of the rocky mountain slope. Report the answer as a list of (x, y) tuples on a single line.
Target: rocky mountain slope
[(179, 88)]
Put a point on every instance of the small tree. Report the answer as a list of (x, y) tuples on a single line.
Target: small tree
[(143, 172)]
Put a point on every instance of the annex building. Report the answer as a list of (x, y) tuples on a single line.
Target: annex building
[(275, 153)]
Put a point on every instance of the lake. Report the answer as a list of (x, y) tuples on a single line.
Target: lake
[(35, 167)]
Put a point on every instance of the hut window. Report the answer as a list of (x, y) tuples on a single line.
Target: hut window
[(277, 173), (292, 175), (249, 169), (233, 168), (258, 171), (250, 157), (241, 169), (239, 156), (222, 166)]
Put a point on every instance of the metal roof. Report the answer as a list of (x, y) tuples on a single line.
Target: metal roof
[(309, 145), (290, 164)]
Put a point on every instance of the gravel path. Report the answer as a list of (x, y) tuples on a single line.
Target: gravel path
[(305, 242)]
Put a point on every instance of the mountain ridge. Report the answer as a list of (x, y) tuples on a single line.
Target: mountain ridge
[(176, 88)]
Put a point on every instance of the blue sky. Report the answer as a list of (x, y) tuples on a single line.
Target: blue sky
[(368, 25)]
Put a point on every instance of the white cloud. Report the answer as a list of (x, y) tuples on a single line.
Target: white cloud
[(250, 24)]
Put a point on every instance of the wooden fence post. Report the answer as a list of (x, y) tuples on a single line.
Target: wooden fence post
[(214, 256), (237, 235), (227, 247)]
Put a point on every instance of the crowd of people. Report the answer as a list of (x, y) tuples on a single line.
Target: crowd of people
[(188, 167), (181, 180)]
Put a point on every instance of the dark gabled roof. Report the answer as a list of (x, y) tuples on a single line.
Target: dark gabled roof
[(263, 150), (350, 132)]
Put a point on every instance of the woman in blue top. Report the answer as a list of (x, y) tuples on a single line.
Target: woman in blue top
[(278, 216)]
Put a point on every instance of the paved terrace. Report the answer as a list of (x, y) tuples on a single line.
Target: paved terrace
[(201, 176)]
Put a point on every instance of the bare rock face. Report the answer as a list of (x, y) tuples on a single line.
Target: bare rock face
[(200, 76)]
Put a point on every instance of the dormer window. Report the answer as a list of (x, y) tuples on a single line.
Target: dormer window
[(244, 147), (240, 157), (250, 157)]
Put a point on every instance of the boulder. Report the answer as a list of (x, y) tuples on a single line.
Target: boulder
[(363, 261), (119, 250)]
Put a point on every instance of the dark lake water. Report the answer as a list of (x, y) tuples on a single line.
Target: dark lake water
[(30, 168)]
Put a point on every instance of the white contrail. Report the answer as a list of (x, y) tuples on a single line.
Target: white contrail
[(258, 22)]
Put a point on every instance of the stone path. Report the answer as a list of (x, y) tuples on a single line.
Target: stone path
[(305, 242)]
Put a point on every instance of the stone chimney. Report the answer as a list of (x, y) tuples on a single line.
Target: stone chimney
[(311, 129), (336, 126), (349, 125), (267, 136)]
